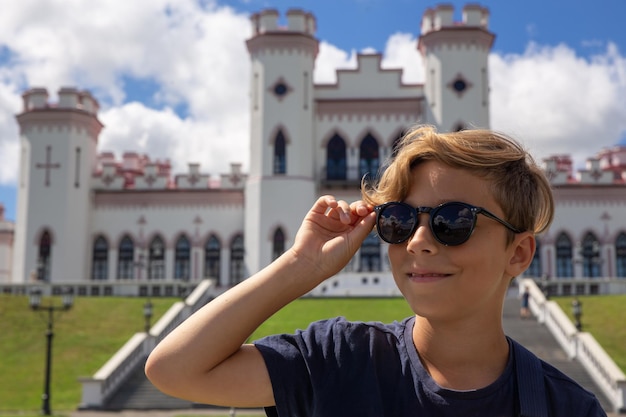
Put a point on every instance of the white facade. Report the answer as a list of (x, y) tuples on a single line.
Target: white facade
[(84, 217)]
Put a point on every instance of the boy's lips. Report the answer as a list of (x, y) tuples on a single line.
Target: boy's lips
[(426, 276)]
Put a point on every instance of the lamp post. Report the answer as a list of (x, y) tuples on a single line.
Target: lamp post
[(147, 315), (35, 305)]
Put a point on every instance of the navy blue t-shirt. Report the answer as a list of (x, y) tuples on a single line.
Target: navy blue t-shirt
[(341, 368)]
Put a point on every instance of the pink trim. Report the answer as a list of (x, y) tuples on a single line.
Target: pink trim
[(40, 233), (167, 198), (60, 118), (283, 41), (336, 131), (466, 36), (279, 127), (349, 109)]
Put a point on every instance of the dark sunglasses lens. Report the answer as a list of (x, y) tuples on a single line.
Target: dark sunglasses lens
[(396, 223), (452, 224)]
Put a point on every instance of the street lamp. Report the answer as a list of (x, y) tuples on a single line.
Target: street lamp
[(147, 314), (35, 305)]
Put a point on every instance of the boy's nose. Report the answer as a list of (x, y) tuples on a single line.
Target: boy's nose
[(423, 239)]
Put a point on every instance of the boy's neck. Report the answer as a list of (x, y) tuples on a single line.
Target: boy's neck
[(461, 357)]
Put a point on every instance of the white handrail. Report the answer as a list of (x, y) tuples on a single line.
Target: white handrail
[(581, 346), (106, 381)]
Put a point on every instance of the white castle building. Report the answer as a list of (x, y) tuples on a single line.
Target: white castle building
[(97, 223)]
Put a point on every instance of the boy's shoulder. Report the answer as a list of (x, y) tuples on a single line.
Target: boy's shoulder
[(565, 396)]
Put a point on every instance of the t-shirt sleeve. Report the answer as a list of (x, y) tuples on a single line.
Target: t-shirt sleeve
[(329, 362)]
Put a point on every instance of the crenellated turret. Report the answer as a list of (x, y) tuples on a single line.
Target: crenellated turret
[(69, 98), (297, 21), (456, 62)]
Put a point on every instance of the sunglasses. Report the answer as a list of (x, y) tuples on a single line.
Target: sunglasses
[(450, 223)]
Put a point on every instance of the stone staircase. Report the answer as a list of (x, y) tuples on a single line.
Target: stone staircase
[(538, 339), (137, 393)]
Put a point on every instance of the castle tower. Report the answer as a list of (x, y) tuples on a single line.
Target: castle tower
[(456, 63), (58, 149), (282, 152)]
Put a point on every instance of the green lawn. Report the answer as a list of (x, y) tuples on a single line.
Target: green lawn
[(85, 337), (299, 314), (95, 328), (605, 318)]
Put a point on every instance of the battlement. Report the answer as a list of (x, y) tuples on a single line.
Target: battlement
[(298, 21), (442, 16), (608, 167), (69, 98)]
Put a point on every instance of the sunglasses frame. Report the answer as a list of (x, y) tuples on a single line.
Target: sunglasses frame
[(428, 210)]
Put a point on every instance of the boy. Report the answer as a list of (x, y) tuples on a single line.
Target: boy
[(460, 212)]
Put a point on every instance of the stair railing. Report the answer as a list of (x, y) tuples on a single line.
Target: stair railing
[(107, 380)]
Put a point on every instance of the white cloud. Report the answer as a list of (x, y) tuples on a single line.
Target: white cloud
[(559, 103), (163, 135), (194, 55), (329, 59), (10, 104), (401, 52)]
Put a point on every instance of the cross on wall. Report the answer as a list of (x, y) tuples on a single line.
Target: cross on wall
[(48, 165)]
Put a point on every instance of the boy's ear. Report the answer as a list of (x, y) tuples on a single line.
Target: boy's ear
[(522, 251)]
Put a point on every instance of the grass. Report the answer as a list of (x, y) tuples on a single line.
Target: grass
[(299, 314), (86, 336), (603, 317)]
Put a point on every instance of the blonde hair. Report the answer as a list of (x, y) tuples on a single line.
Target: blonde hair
[(517, 184)]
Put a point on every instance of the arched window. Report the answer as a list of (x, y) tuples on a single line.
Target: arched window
[(368, 157), (280, 156), (278, 244), (236, 260), (100, 259), (182, 259), (564, 267), (44, 258), (212, 256), (125, 258), (370, 254), (336, 165), (620, 255), (156, 259), (590, 252)]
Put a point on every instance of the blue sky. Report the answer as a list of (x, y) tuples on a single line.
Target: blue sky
[(171, 75)]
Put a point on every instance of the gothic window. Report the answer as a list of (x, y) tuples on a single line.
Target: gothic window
[(370, 254), (212, 255), (125, 258), (534, 270), (43, 260), (280, 156), (368, 157), (590, 252), (278, 244), (336, 166), (236, 260), (182, 259), (156, 259), (620, 255), (564, 265), (100, 259)]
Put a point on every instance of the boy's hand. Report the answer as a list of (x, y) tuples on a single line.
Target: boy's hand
[(331, 233)]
